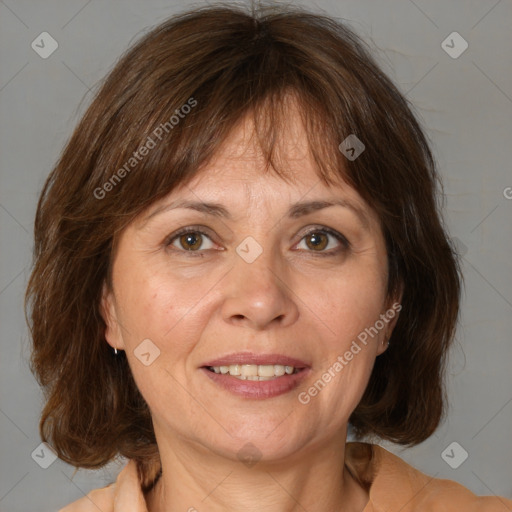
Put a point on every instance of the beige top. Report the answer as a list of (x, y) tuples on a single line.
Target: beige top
[(392, 484)]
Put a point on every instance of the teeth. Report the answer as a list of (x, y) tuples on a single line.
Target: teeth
[(266, 370), (279, 370), (234, 369), (254, 371), (249, 370)]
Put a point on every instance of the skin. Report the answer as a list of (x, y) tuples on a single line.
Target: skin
[(291, 300)]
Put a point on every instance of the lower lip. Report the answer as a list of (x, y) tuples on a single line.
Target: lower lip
[(258, 389)]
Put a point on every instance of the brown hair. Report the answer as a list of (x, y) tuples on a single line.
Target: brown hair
[(224, 63)]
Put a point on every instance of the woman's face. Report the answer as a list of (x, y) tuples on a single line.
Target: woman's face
[(267, 276)]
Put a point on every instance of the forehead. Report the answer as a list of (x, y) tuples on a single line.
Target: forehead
[(242, 179), (240, 166), (241, 158), (236, 183)]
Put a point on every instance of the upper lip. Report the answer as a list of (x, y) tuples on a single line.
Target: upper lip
[(259, 359)]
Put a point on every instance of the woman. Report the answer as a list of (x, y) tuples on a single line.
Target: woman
[(238, 255)]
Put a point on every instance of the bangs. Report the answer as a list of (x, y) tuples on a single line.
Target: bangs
[(183, 138)]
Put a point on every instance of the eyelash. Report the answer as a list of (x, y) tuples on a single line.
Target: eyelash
[(200, 253)]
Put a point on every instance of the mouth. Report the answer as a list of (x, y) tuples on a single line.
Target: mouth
[(254, 372), (256, 376)]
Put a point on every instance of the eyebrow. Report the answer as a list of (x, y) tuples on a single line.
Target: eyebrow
[(295, 211)]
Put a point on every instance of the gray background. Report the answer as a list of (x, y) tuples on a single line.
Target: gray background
[(465, 105)]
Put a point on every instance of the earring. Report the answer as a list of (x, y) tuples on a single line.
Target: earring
[(115, 351)]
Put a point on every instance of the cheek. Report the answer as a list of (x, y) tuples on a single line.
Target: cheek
[(351, 305), (173, 313), (154, 303), (163, 313), (348, 303)]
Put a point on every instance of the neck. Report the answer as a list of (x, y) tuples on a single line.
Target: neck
[(195, 480)]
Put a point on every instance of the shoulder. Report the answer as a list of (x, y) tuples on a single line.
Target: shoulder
[(447, 495), (395, 485), (125, 494), (98, 499)]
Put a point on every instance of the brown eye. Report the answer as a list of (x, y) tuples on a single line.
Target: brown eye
[(317, 241), (324, 241), (191, 241)]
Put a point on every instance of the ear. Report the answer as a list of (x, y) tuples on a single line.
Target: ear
[(392, 312), (108, 312)]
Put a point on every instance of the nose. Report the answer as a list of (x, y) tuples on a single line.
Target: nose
[(259, 294)]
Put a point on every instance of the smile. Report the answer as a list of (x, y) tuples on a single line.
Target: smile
[(254, 372)]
